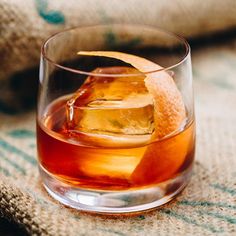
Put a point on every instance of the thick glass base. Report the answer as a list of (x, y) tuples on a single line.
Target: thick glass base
[(114, 202)]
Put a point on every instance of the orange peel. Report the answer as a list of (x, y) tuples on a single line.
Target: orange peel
[(168, 104), (169, 114)]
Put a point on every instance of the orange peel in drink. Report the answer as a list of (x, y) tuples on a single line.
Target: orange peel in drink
[(169, 114), (168, 103)]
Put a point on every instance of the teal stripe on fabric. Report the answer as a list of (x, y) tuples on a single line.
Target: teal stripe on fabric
[(224, 189), (50, 16), (21, 133), (4, 171), (76, 217), (32, 145), (111, 231), (190, 221), (207, 204), (141, 217), (12, 163), (112, 41), (10, 148), (229, 219)]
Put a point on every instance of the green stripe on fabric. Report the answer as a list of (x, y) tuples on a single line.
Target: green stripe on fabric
[(13, 164), (112, 41), (229, 219), (206, 204), (141, 217), (21, 133), (5, 171), (224, 189), (8, 147), (115, 232), (50, 16), (32, 145), (191, 221)]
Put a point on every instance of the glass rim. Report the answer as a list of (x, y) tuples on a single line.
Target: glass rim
[(77, 71)]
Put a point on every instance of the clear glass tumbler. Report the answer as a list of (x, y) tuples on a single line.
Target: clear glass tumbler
[(115, 136)]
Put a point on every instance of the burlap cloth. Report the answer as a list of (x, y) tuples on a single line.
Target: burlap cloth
[(206, 207), (25, 24)]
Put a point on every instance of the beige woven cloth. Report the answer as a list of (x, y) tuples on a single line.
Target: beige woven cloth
[(24, 25), (206, 207)]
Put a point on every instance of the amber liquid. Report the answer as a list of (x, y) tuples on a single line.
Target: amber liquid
[(94, 162)]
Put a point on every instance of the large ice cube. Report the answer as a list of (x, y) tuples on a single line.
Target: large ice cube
[(112, 105)]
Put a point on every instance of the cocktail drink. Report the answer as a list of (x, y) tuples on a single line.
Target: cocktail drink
[(120, 137)]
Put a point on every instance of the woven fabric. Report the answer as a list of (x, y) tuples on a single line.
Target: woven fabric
[(24, 25), (206, 207)]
